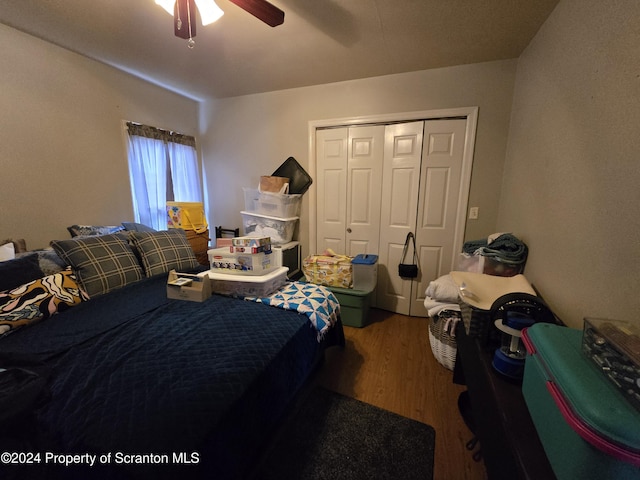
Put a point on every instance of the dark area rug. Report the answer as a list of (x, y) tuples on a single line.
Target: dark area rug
[(331, 436)]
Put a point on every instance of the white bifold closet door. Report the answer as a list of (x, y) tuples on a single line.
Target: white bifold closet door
[(349, 180), (378, 183)]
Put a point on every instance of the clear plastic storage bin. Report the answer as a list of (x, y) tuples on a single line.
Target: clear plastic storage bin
[(280, 230), (365, 271), (247, 286), (273, 204)]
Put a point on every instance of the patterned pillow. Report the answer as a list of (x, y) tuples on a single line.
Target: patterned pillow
[(90, 230), (50, 262), (100, 263), (164, 250), (38, 300), (137, 227)]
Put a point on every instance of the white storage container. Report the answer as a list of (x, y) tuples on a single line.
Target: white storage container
[(280, 230), (248, 286), (273, 204), (221, 260), (365, 272)]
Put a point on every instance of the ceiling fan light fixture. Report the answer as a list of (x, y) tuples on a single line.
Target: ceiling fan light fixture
[(209, 11), (167, 5)]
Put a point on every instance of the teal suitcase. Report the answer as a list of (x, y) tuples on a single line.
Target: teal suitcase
[(588, 429)]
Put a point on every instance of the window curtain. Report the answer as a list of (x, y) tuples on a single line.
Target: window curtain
[(184, 169), (162, 166)]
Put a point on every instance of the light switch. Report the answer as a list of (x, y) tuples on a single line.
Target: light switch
[(473, 213)]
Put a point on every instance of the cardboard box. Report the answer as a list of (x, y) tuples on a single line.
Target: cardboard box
[(223, 261), (193, 288), (260, 249), (250, 241)]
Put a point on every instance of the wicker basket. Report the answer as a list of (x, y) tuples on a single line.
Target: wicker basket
[(442, 337), (200, 245), (478, 324)]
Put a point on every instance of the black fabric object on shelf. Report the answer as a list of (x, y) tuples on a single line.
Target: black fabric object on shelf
[(299, 179)]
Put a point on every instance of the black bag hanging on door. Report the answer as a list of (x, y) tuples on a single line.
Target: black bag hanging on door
[(409, 270)]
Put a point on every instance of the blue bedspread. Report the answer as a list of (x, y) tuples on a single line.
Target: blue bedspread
[(136, 373)]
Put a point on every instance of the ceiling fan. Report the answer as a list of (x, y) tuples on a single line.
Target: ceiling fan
[(184, 13)]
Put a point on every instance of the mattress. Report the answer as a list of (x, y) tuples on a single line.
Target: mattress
[(201, 385)]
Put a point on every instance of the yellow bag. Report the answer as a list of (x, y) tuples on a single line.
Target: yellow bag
[(187, 215), (328, 269)]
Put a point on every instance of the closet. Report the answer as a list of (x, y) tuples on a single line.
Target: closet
[(377, 183)]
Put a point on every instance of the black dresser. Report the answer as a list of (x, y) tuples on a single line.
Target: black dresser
[(510, 445)]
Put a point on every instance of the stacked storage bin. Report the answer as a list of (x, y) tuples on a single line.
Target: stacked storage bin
[(268, 214), (352, 281), (245, 268)]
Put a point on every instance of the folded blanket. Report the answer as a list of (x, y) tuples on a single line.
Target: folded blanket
[(315, 301), (443, 289), (505, 248), (434, 307)]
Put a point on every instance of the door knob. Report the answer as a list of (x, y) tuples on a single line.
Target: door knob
[(348, 230)]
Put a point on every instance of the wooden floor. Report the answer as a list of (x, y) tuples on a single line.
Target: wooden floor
[(389, 364)]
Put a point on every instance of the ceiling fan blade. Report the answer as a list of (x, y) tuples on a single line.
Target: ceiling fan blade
[(268, 13)]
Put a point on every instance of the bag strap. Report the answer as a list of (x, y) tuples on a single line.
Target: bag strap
[(411, 237), (204, 226)]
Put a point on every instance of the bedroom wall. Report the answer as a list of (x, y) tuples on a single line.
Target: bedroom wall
[(62, 150), (571, 183), (245, 137)]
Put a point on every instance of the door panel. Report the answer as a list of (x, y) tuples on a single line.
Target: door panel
[(402, 197), (365, 157), (441, 174), (332, 183), (400, 182)]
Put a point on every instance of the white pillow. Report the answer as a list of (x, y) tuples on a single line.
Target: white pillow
[(7, 252)]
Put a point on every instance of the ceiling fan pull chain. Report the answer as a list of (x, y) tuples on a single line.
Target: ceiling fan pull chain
[(179, 19), (191, 42)]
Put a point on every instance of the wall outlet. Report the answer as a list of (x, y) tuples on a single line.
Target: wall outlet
[(473, 213)]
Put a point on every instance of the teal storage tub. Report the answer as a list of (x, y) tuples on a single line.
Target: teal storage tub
[(587, 428)]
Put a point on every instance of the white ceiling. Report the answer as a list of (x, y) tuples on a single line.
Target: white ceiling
[(321, 41)]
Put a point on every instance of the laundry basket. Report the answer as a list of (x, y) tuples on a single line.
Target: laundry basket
[(442, 337)]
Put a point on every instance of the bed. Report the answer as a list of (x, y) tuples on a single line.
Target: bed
[(142, 386)]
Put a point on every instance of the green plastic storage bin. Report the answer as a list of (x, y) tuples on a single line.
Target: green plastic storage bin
[(354, 305)]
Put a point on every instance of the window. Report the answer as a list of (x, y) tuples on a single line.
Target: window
[(163, 166)]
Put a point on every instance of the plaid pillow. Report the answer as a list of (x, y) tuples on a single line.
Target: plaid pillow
[(101, 263), (163, 251)]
